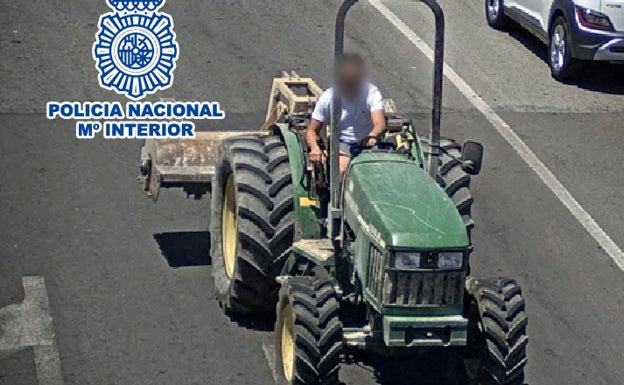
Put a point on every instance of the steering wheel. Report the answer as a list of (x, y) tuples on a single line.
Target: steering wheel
[(379, 145)]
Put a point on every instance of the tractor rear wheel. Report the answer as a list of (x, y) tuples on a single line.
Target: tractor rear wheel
[(453, 179), (252, 222), (308, 331), (497, 339)]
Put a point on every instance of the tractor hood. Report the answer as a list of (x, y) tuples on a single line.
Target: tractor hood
[(398, 204)]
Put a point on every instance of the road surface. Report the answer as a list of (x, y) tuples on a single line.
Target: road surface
[(128, 281)]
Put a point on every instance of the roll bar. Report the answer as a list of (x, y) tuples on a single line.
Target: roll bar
[(434, 137)]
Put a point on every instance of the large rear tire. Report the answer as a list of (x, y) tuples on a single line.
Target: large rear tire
[(497, 338), (308, 331), (252, 222), (454, 180)]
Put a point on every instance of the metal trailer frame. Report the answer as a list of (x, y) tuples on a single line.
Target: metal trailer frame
[(189, 164)]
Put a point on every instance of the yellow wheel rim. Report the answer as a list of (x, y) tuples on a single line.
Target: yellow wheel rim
[(288, 343), (229, 231)]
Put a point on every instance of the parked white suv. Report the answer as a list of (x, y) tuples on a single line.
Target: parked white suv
[(575, 30)]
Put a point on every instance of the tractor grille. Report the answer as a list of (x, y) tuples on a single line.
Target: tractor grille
[(376, 270), (423, 288), (414, 288)]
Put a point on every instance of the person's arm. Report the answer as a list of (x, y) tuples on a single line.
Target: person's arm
[(316, 155), (378, 116), (379, 122), (320, 117)]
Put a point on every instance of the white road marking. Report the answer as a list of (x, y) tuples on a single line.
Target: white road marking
[(29, 324), (269, 354), (48, 365), (551, 181)]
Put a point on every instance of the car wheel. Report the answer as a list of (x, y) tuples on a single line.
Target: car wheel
[(563, 66), (495, 13)]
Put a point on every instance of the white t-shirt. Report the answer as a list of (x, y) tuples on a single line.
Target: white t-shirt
[(356, 118)]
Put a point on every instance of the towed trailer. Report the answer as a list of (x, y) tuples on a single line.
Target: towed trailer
[(190, 164)]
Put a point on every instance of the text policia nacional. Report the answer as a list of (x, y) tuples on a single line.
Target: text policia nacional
[(140, 120)]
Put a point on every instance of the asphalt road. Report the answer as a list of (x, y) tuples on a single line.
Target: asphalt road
[(129, 281)]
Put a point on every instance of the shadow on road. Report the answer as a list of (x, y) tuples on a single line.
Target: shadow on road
[(597, 76), (257, 322), (185, 249), (191, 249), (426, 368)]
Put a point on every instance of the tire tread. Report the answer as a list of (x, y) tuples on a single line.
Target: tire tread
[(265, 221)]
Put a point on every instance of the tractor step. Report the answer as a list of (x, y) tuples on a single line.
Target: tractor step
[(320, 251)]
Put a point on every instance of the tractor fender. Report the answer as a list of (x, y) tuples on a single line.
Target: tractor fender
[(308, 213)]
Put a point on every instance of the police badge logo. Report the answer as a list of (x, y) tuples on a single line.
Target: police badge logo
[(135, 53), (136, 49)]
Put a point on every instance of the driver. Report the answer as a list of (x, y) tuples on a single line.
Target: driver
[(363, 117)]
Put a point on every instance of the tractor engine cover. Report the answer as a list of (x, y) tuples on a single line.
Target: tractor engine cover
[(415, 213)]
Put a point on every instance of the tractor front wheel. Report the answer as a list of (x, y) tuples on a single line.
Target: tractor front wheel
[(497, 338), (308, 331)]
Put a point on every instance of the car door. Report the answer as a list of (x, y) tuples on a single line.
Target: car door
[(537, 12), (513, 5)]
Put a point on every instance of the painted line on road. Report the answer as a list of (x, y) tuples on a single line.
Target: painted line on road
[(269, 354), (29, 324), (551, 181)]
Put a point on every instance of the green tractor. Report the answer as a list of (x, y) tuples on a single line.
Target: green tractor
[(379, 262)]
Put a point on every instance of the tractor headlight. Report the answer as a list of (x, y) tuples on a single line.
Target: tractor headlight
[(407, 260), (450, 260), (444, 260)]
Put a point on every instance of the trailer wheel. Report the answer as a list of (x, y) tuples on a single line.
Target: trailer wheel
[(497, 338), (453, 179), (252, 222), (308, 332)]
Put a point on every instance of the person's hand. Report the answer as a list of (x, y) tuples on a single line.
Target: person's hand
[(316, 155), (370, 141)]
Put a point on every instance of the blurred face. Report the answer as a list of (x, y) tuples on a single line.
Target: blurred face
[(351, 79)]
